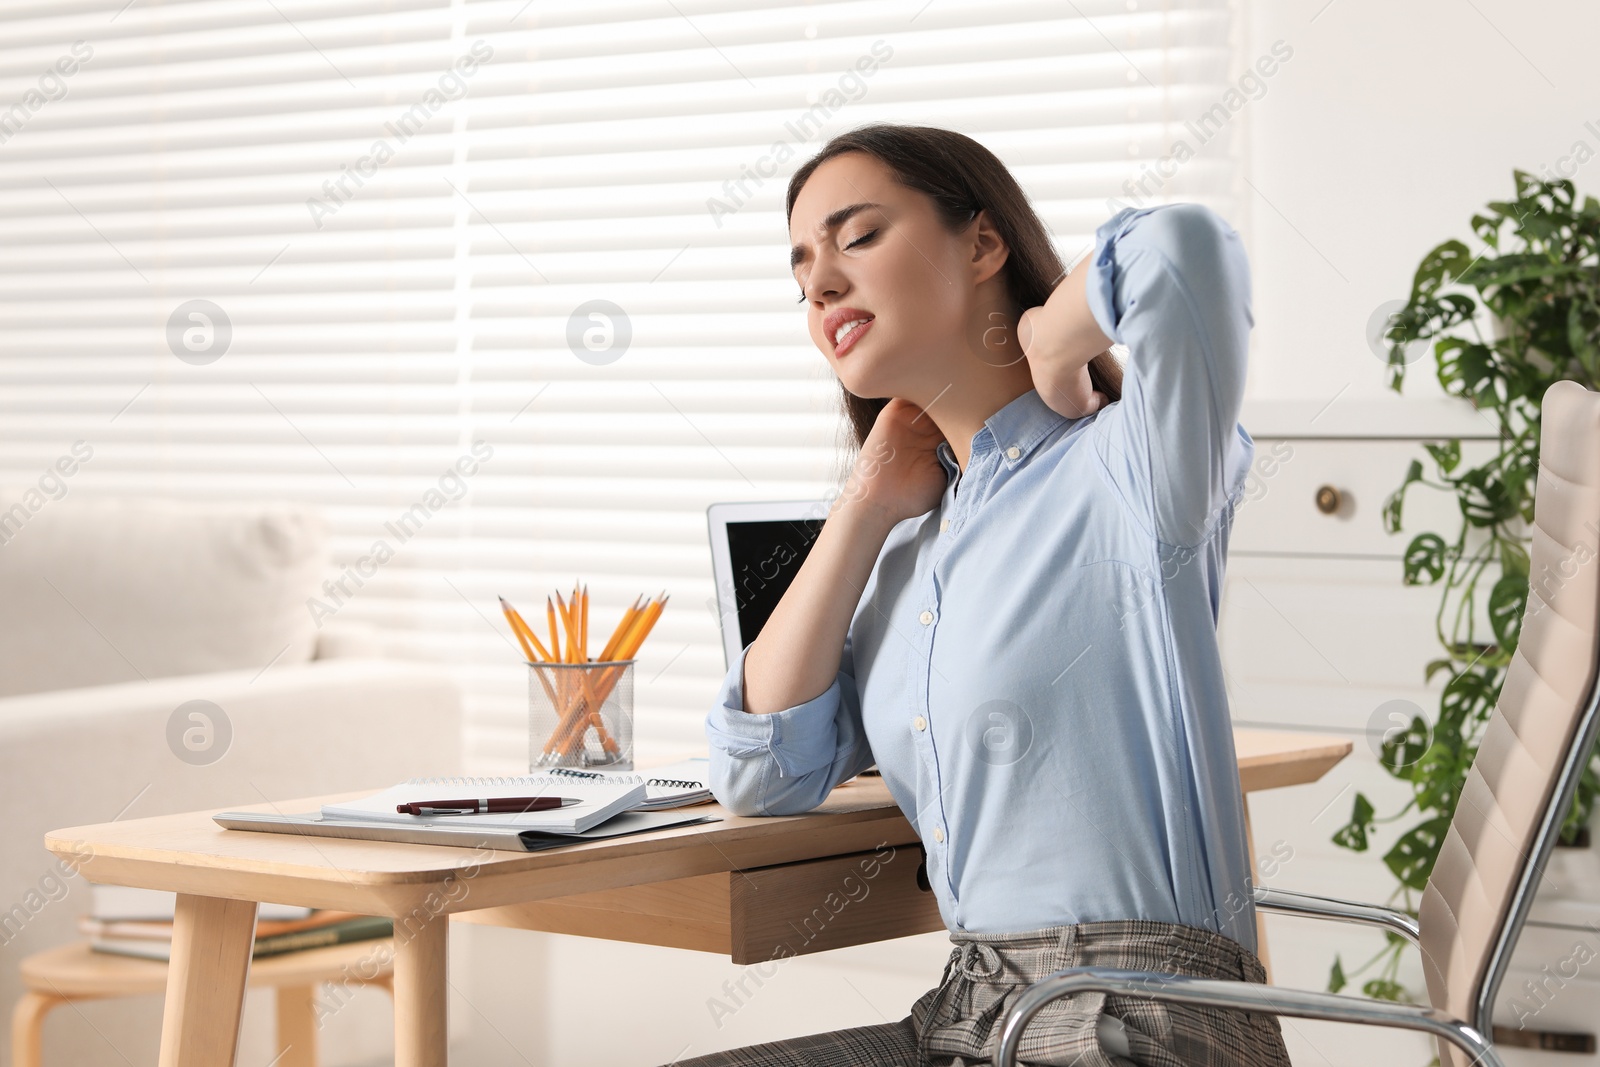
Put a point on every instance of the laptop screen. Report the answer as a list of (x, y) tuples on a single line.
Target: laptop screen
[(764, 557)]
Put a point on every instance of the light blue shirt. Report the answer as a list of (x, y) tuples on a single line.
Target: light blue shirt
[(1033, 665)]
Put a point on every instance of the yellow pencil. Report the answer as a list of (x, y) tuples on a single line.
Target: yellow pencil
[(513, 619), (577, 713), (583, 628), (631, 643), (621, 630), (625, 641), (641, 627), (567, 630), (524, 632)]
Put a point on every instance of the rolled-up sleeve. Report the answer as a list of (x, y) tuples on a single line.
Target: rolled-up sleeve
[(786, 762), (1172, 283)]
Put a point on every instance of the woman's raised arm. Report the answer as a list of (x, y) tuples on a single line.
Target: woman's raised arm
[(787, 727), (1171, 282)]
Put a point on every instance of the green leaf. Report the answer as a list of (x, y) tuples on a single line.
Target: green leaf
[(1414, 323), (1353, 835), (1507, 601), (1424, 555), (1411, 858), (1488, 499), (1487, 229), (1439, 266), (1466, 368), (1391, 510), (1396, 501), (1437, 779), (1539, 227), (1395, 941), (1562, 192), (1454, 308), (1517, 267), (1446, 455), (1402, 750), (1336, 980), (1384, 989), (1435, 666), (1513, 559), (1582, 339), (1467, 698)]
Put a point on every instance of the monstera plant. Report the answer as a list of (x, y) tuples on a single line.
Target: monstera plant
[(1537, 287)]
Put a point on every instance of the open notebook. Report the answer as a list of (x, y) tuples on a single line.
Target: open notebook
[(603, 794), (599, 801)]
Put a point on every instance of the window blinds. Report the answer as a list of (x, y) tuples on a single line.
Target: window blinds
[(345, 252)]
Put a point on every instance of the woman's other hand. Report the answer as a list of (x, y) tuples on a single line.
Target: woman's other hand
[(1059, 338), (898, 471)]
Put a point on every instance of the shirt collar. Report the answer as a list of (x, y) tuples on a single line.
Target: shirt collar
[(1015, 431)]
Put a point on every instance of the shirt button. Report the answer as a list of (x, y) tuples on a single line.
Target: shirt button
[(920, 723), (938, 834), (926, 617), (1013, 452), (944, 524)]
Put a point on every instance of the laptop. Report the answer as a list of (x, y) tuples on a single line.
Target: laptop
[(757, 547)]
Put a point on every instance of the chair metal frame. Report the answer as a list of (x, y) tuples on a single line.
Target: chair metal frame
[(1473, 1038)]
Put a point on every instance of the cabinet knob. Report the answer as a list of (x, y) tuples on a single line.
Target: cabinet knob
[(1328, 499)]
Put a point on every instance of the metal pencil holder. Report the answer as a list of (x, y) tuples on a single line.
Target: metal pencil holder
[(581, 715)]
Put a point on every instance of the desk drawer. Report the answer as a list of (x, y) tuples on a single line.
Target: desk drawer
[(796, 908), (1279, 512), (754, 915)]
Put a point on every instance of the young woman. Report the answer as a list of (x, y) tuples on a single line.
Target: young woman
[(1011, 608)]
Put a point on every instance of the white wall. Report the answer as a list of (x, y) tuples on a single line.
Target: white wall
[(1389, 128)]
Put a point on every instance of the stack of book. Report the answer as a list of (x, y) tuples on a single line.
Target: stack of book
[(138, 922)]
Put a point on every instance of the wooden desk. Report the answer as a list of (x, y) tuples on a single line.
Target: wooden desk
[(755, 888)]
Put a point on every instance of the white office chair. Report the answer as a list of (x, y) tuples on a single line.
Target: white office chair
[(1519, 789)]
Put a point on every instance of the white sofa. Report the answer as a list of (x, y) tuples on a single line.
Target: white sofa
[(116, 614)]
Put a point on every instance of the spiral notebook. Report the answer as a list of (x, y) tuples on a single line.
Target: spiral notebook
[(599, 800), (674, 785), (603, 794)]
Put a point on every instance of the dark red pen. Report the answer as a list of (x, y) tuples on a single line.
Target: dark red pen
[(493, 806)]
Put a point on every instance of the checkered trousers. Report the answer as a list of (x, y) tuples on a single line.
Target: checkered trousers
[(957, 1023)]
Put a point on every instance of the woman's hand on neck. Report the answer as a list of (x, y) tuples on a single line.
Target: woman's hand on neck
[(1059, 339)]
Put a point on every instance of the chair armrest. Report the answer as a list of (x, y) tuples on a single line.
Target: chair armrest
[(1245, 996), (1309, 904)]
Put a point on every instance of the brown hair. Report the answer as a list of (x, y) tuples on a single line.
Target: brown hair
[(962, 177)]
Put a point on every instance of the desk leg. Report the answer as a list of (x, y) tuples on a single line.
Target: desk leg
[(211, 943), (1261, 919), (420, 958), (297, 1026)]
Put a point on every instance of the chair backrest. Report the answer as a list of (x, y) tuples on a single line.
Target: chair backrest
[(1520, 785)]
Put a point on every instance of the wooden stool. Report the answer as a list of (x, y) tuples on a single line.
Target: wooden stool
[(74, 972)]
